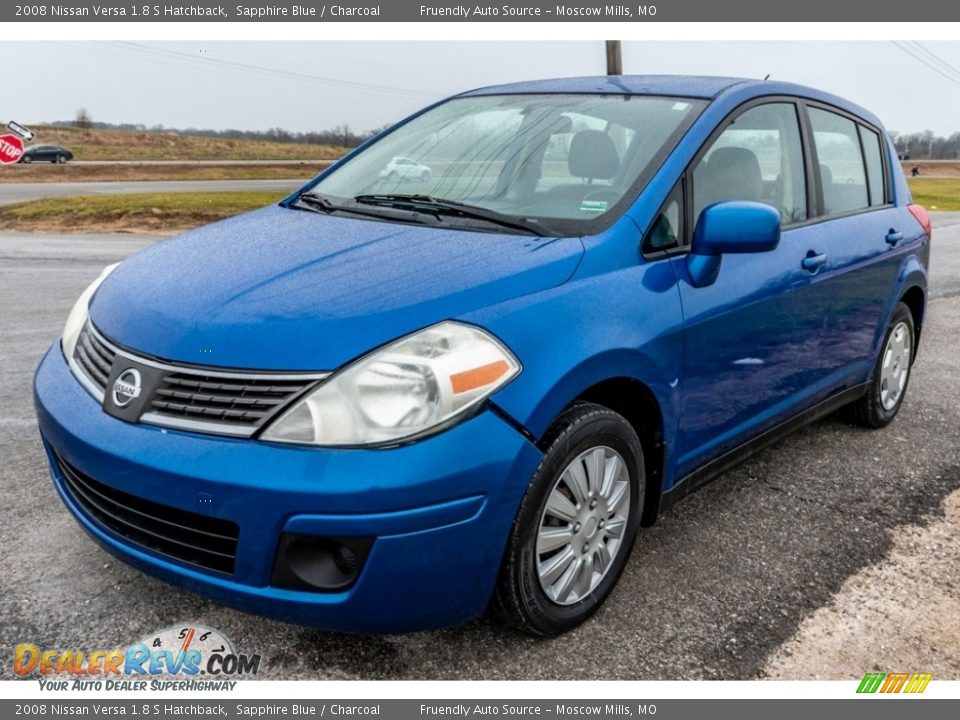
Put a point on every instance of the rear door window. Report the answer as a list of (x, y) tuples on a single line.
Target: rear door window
[(842, 173)]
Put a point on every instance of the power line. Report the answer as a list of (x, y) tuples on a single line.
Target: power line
[(122, 53), (936, 58), (920, 58), (178, 62), (274, 72)]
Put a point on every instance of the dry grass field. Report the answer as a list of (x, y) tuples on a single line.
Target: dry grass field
[(125, 145), (134, 212)]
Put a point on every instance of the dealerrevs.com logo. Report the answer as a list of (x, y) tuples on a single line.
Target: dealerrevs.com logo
[(188, 657)]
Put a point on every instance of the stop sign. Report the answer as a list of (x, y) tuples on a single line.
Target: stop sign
[(11, 148)]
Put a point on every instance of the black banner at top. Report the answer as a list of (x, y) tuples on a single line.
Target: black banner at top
[(514, 11)]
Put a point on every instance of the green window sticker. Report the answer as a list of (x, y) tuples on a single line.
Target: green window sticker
[(593, 206)]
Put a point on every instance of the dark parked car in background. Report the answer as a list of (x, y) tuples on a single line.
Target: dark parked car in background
[(46, 153)]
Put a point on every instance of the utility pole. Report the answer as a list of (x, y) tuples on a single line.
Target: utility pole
[(614, 58)]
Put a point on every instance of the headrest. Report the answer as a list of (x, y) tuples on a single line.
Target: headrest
[(733, 173), (593, 155), (826, 174)]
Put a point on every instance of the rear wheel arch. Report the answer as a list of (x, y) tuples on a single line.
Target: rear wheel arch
[(915, 298)]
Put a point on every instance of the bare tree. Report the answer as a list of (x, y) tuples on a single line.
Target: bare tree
[(341, 135), (344, 135), (927, 146), (83, 120)]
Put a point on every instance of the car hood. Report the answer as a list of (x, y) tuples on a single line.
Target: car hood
[(283, 289)]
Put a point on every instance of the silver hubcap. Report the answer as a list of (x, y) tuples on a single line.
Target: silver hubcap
[(895, 367), (582, 526)]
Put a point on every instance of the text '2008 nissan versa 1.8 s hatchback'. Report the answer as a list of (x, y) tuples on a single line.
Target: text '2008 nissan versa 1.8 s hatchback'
[(393, 400)]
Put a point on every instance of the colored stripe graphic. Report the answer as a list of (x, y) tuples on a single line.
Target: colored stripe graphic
[(894, 683), (918, 682), (870, 683)]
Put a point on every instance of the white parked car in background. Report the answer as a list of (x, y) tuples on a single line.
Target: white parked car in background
[(401, 168)]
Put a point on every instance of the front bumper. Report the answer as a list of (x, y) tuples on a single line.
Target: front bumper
[(439, 510)]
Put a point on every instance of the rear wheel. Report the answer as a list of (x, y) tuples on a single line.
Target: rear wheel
[(26, 159), (576, 524), (888, 385)]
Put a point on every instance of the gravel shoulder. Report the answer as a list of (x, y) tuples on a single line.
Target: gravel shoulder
[(901, 615)]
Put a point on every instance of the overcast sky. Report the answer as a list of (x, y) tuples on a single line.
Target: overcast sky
[(315, 85)]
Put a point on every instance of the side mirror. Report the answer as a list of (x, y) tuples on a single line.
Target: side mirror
[(730, 227)]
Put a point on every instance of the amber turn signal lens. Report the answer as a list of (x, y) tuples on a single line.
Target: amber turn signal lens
[(478, 377)]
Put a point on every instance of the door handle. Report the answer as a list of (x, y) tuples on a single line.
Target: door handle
[(813, 262), (893, 237)]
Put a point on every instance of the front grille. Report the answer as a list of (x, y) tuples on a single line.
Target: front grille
[(208, 542), (246, 401), (94, 357), (200, 399)]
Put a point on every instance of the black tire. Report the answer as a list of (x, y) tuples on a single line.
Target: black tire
[(26, 159), (520, 601), (869, 411), (61, 159)]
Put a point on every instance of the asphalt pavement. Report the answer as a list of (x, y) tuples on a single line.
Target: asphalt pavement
[(711, 592)]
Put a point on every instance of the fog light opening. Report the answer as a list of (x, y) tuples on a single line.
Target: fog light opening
[(345, 559), (319, 563)]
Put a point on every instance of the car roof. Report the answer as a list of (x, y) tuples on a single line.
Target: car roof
[(684, 85), (692, 86)]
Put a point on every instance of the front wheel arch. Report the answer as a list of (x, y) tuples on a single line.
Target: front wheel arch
[(636, 402), (521, 598)]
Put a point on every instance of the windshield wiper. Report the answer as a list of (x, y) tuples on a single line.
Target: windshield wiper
[(324, 204), (466, 210)]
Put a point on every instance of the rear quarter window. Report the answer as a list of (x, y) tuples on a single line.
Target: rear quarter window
[(873, 158)]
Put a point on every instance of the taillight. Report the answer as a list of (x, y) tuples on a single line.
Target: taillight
[(920, 213)]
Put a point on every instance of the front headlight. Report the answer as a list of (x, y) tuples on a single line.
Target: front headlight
[(78, 315), (415, 386)]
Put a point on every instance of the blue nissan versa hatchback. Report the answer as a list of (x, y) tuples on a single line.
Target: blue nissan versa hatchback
[(392, 400)]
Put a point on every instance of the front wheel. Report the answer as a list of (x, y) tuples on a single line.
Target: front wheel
[(61, 159), (576, 525), (888, 385)]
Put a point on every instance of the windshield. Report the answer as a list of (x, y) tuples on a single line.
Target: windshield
[(571, 162)]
